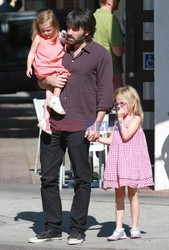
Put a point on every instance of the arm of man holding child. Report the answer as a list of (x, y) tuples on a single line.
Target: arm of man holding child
[(53, 81)]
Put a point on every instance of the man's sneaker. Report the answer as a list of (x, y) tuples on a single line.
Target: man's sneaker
[(55, 104), (135, 233), (118, 234), (46, 235), (75, 237), (45, 126)]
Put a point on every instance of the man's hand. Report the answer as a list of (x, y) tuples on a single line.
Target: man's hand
[(53, 81), (92, 133)]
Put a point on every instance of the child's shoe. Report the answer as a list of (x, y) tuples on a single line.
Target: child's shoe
[(55, 104), (118, 234), (135, 233), (43, 125)]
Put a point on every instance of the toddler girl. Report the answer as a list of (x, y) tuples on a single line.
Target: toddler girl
[(128, 163), (46, 55)]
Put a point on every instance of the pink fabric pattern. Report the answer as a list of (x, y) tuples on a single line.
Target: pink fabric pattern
[(48, 59), (128, 163)]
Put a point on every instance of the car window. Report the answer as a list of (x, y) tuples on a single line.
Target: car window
[(15, 42)]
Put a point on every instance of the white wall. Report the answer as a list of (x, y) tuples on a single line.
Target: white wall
[(161, 50)]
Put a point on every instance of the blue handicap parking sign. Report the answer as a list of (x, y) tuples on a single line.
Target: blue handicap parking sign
[(148, 61)]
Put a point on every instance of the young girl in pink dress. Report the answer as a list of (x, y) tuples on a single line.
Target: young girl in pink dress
[(128, 163), (46, 55)]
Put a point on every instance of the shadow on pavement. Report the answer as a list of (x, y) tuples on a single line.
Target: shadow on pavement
[(38, 220), (104, 229)]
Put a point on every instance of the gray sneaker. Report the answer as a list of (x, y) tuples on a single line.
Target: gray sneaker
[(135, 233), (75, 238), (46, 235), (118, 234)]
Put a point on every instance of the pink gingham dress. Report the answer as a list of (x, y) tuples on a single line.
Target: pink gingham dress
[(128, 163)]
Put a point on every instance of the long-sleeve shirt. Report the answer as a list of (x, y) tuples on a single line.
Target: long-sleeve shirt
[(89, 89)]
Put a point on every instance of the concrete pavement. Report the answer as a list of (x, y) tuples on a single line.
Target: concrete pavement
[(18, 137), (21, 217)]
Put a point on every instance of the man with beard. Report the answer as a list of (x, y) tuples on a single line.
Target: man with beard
[(86, 96)]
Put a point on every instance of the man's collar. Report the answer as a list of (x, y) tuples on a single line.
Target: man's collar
[(86, 48)]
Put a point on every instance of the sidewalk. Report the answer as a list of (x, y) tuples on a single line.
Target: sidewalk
[(18, 137), (21, 217)]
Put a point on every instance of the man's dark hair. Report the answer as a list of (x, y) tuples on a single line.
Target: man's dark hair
[(83, 18)]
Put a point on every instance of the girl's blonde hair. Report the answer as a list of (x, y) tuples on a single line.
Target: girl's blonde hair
[(43, 17), (130, 95)]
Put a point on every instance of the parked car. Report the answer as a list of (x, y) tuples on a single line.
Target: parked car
[(15, 41)]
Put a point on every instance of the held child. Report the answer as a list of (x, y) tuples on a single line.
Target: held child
[(46, 55), (128, 164)]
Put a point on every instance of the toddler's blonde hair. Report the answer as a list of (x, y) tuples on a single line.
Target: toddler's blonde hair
[(43, 17), (130, 95)]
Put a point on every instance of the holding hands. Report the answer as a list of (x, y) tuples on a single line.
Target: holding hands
[(92, 133)]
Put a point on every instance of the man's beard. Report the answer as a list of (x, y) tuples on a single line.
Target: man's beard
[(76, 41)]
